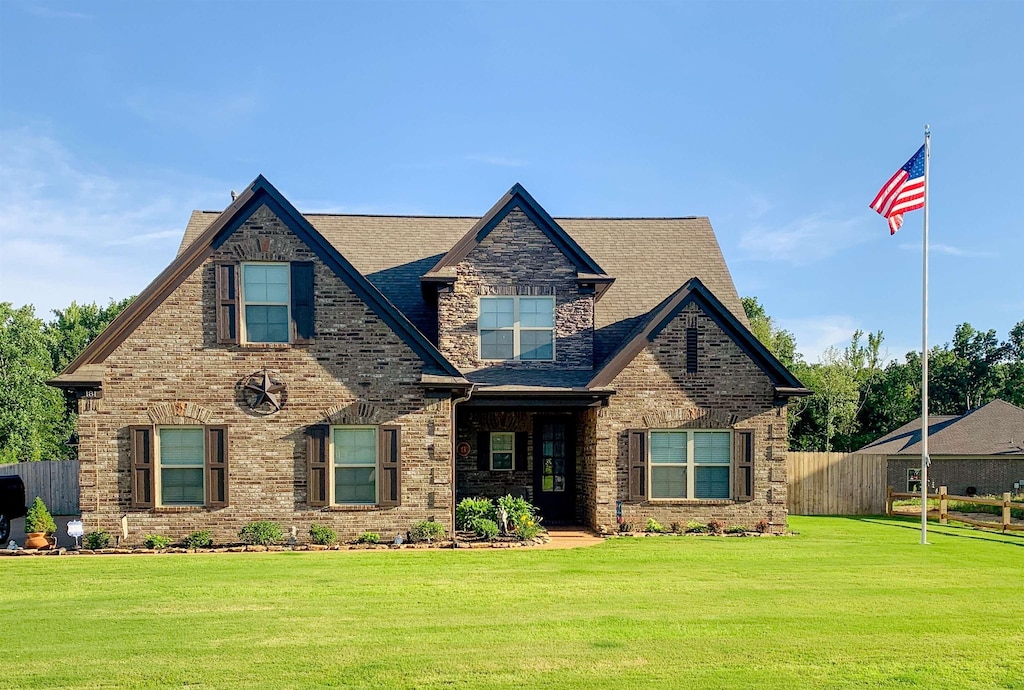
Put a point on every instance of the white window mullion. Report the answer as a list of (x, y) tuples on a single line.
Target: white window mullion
[(691, 471)]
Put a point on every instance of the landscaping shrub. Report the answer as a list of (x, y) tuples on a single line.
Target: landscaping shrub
[(38, 518), (485, 529), (426, 530), (678, 528), (762, 526), (716, 526), (654, 526), (736, 529), (696, 527), (261, 532), (322, 534), (200, 539), (368, 538), (626, 527), (156, 541), (527, 526), (97, 539), (471, 509)]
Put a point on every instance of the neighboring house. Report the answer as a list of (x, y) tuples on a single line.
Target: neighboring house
[(981, 451), (367, 372)]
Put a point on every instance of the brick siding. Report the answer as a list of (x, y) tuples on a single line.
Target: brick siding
[(986, 475)]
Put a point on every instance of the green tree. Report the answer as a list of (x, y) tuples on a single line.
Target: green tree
[(779, 341), (1012, 372), (75, 326), (33, 422), (965, 374)]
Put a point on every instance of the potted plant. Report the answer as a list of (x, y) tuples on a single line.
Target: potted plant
[(39, 526)]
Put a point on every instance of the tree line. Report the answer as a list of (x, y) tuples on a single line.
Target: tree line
[(858, 397)]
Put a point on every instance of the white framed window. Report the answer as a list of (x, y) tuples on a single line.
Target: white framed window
[(354, 475), (181, 466), (690, 464), (266, 302), (517, 328), (914, 480), (502, 451)]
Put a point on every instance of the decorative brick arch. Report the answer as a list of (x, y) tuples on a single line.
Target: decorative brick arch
[(179, 412), (358, 412), (690, 418)]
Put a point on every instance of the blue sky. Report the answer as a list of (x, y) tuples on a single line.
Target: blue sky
[(778, 120)]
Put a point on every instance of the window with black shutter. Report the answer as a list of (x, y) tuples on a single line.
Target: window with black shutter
[(265, 302)]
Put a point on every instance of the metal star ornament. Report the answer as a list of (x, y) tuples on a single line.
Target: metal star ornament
[(263, 393)]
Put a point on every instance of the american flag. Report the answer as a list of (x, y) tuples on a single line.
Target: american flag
[(903, 192)]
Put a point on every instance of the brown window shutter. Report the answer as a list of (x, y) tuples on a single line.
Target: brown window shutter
[(143, 474), (318, 464), (637, 452), (743, 464), (522, 444), (302, 302), (226, 282), (483, 451), (389, 466), (217, 466)]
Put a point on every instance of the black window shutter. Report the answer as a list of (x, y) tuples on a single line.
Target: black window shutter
[(637, 452), (302, 301), (216, 466), (743, 464), (691, 350), (318, 465), (522, 444), (389, 466), (483, 451), (143, 476), (226, 286)]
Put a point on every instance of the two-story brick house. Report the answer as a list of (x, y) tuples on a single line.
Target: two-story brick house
[(367, 372)]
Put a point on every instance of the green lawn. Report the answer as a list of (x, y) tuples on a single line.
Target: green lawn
[(846, 603)]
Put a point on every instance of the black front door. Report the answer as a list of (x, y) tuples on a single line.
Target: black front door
[(554, 469)]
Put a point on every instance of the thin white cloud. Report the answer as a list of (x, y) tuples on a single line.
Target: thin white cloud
[(804, 240), (815, 335), (948, 250), (191, 111), (50, 13), (500, 161), (69, 231)]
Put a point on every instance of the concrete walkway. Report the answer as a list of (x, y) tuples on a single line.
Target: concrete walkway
[(570, 538)]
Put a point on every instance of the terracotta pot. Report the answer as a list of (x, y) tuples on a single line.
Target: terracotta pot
[(37, 540)]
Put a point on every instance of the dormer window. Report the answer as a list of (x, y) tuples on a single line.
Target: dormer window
[(517, 328)]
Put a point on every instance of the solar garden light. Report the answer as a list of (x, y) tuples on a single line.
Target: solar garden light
[(76, 530)]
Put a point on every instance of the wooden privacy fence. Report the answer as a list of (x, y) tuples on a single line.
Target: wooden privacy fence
[(835, 483), (1005, 524), (54, 481)]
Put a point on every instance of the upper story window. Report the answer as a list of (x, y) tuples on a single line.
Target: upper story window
[(520, 328), (266, 298)]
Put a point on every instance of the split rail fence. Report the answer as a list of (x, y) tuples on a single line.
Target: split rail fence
[(835, 483), (944, 498), (54, 481)]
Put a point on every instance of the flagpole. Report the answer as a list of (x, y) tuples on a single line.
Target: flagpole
[(924, 347)]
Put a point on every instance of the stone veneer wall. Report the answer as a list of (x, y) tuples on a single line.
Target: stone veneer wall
[(516, 258), (171, 370), (728, 390)]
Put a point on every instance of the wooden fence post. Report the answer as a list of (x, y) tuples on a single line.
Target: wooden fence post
[(943, 505), (888, 500), (1006, 510)]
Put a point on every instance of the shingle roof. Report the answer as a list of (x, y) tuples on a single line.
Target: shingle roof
[(648, 257), (993, 429)]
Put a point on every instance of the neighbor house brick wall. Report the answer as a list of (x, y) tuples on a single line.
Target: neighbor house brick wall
[(986, 475), (655, 392), (356, 370), (516, 258)]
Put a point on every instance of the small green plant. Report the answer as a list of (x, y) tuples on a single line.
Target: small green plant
[(485, 529), (262, 533), (736, 529), (200, 539), (426, 530), (677, 528), (368, 538), (527, 527), (471, 509), (762, 526), (38, 518), (716, 526), (695, 527), (654, 526), (156, 541), (322, 534), (514, 508), (97, 539)]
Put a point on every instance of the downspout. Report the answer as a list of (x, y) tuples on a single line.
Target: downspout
[(456, 401)]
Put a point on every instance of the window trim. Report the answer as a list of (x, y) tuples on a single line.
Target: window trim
[(511, 451), (244, 302), (915, 480), (516, 328), (331, 478), (691, 466), (158, 489)]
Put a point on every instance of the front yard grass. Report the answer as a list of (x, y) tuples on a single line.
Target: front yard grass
[(847, 603)]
